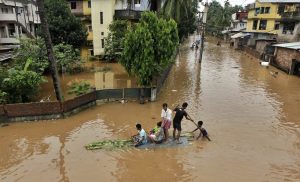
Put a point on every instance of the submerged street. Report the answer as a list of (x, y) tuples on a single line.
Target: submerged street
[(251, 114)]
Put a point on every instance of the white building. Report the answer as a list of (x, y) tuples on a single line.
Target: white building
[(17, 20)]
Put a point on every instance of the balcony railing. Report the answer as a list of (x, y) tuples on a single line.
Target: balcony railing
[(291, 15), (128, 14)]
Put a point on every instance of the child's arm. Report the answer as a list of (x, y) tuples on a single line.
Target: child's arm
[(195, 130)]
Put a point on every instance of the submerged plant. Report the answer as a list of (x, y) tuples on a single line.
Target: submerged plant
[(79, 88), (109, 144)]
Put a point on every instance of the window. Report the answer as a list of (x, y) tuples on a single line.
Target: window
[(276, 27), (73, 5), (267, 10), (254, 27), (256, 11), (288, 28), (102, 43), (102, 33), (262, 10), (2, 32), (91, 52), (263, 25), (4, 10), (137, 1), (89, 4), (90, 29), (101, 17), (11, 30)]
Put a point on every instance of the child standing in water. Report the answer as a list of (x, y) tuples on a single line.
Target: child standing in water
[(166, 115), (203, 132)]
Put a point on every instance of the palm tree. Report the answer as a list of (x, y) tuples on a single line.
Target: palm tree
[(49, 46)]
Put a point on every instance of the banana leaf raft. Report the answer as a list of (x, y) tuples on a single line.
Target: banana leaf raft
[(185, 139)]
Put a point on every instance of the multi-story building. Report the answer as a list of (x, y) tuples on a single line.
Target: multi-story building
[(17, 19), (97, 15), (263, 20), (82, 9), (289, 28)]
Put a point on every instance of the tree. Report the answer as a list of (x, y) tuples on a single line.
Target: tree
[(217, 23), (49, 46), (20, 85), (148, 47), (115, 39), (68, 58), (33, 49), (64, 27), (184, 13)]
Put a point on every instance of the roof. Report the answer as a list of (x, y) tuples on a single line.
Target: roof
[(240, 34), (279, 1), (293, 45)]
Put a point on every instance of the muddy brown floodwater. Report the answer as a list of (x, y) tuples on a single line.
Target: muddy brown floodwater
[(253, 119)]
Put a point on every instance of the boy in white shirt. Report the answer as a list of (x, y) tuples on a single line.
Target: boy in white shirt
[(166, 116), (141, 137)]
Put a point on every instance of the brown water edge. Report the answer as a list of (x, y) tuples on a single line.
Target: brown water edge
[(252, 117), (120, 79)]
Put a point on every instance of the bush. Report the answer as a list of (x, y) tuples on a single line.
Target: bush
[(79, 88)]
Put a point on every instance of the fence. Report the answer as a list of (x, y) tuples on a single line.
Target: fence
[(55, 110)]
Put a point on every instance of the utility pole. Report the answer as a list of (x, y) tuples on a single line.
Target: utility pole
[(203, 24)]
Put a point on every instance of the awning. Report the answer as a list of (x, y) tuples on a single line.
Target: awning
[(240, 34), (292, 45), (225, 31)]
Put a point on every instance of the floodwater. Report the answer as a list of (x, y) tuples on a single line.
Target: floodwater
[(251, 114), (119, 79)]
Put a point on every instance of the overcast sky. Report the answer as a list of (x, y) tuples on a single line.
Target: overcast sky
[(235, 2)]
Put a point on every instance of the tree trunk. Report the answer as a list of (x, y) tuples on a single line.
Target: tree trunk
[(142, 95), (49, 46)]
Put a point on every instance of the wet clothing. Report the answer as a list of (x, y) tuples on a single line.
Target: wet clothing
[(166, 118), (143, 134), (204, 132), (159, 136), (178, 118)]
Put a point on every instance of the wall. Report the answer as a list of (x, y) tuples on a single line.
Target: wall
[(107, 7), (295, 37), (284, 57), (86, 9), (79, 7), (271, 17), (261, 44)]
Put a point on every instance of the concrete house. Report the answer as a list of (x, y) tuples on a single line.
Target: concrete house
[(17, 20), (287, 57)]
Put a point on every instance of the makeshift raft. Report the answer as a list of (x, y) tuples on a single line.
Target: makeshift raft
[(185, 139)]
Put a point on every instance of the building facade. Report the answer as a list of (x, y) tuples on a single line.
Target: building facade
[(97, 15), (17, 20)]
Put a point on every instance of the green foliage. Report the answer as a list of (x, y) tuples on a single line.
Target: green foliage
[(79, 88), (115, 39), (20, 85), (3, 97), (35, 50), (149, 46), (184, 13), (109, 144), (217, 23), (64, 27), (67, 58)]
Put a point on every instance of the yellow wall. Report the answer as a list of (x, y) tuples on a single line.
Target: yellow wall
[(107, 7), (271, 18), (86, 9)]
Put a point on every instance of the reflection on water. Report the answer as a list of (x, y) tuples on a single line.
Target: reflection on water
[(253, 118), (101, 76)]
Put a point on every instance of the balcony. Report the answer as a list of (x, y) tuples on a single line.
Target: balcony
[(128, 14), (290, 16)]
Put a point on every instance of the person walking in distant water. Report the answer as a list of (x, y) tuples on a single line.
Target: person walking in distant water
[(180, 112), (166, 115)]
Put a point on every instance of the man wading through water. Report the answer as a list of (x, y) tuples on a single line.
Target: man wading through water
[(180, 112)]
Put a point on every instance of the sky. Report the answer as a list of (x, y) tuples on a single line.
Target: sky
[(235, 2)]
